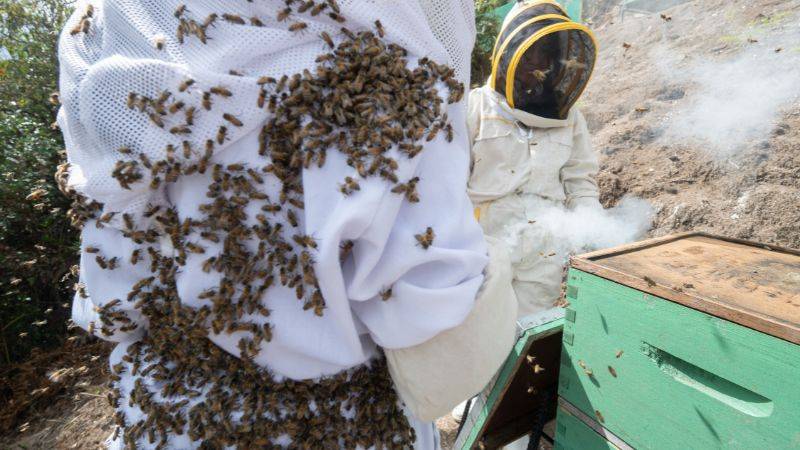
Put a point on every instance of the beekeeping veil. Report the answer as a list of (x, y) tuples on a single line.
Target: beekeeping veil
[(99, 69), (542, 61)]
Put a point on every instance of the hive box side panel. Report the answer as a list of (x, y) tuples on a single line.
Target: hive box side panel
[(663, 376), (750, 284), (572, 434)]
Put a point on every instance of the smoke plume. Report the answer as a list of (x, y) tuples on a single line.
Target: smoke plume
[(732, 103)]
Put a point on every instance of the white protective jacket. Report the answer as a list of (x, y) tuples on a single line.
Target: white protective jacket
[(522, 165), (434, 290)]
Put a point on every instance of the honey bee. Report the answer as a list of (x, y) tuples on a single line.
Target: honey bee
[(199, 31), (210, 236), (209, 20), (92, 250), (209, 149), (425, 240), (292, 217), (128, 221), (208, 264), (232, 119), (54, 99), (409, 189), (175, 107), (89, 11), (327, 38), (135, 256), (180, 129), (132, 97), (284, 14), (599, 416), (273, 103), (262, 98), (221, 91), (233, 18), (180, 32), (433, 132), (170, 150), (379, 27), (271, 208), (305, 241), (190, 115), (125, 150), (305, 6), (316, 10), (350, 185), (336, 16), (165, 95), (207, 101), (265, 80), (80, 27), (145, 161), (106, 218), (282, 83), (156, 119), (158, 42), (386, 294), (180, 11), (221, 134), (298, 26), (194, 248)]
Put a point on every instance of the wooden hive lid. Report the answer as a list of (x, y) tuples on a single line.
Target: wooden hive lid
[(754, 285)]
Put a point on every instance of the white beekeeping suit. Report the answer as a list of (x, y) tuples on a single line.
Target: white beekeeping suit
[(530, 148), (391, 292)]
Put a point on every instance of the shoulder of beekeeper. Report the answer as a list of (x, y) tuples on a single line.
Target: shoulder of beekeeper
[(526, 135)]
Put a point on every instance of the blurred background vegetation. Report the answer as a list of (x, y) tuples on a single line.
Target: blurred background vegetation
[(487, 26), (37, 245)]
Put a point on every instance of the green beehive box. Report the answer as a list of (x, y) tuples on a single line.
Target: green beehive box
[(688, 341)]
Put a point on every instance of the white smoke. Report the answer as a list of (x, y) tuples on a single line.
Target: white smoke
[(734, 102), (584, 229)]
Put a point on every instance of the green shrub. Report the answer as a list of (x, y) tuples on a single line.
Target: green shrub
[(487, 26), (37, 245)]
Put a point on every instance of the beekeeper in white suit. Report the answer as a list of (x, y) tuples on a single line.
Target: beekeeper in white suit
[(530, 147), (177, 117)]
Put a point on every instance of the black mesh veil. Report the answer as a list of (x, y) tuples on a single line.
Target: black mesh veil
[(542, 60)]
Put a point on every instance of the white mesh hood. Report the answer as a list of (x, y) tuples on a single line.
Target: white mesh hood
[(101, 68)]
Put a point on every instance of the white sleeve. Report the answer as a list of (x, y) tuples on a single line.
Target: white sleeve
[(432, 290), (102, 304), (578, 174)]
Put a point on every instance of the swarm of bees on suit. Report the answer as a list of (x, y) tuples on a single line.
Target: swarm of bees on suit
[(362, 100)]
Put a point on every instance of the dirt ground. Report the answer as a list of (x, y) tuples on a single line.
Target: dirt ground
[(753, 195)]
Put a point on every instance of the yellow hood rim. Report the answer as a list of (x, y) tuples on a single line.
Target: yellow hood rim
[(512, 67)]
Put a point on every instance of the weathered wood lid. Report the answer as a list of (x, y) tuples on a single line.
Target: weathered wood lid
[(754, 285)]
